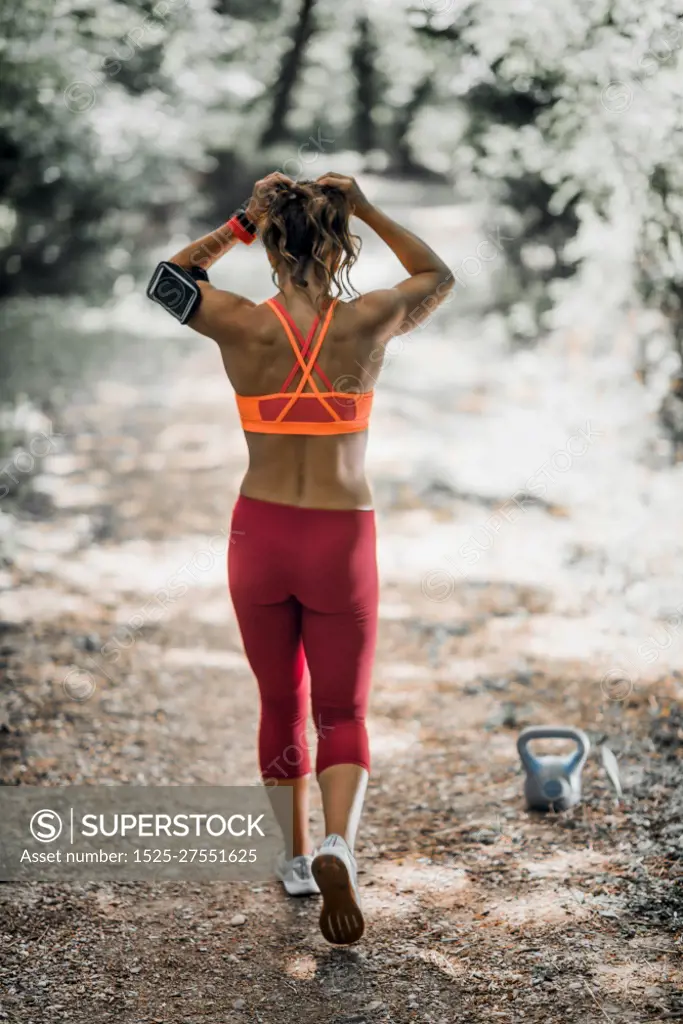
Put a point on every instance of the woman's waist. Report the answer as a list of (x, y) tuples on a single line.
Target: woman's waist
[(255, 499), (315, 472), (331, 496)]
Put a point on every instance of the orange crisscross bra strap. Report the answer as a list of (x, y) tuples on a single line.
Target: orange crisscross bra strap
[(307, 409), (307, 367)]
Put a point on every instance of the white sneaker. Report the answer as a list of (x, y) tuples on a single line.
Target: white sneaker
[(295, 875), (334, 869)]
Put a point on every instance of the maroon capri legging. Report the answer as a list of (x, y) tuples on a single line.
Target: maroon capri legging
[(304, 585)]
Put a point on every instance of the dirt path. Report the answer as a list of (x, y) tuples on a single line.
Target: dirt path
[(478, 911)]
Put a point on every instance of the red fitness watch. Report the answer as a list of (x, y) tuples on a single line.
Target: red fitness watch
[(242, 227)]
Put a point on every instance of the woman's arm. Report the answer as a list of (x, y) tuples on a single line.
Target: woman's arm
[(412, 301), (415, 256), (218, 314), (205, 251), (219, 310)]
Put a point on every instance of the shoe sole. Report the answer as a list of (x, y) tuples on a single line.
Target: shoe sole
[(341, 919)]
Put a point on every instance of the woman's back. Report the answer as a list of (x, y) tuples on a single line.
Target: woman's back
[(300, 469), (262, 363), (309, 449)]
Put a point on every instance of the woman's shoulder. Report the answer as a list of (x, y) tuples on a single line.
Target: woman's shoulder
[(375, 308)]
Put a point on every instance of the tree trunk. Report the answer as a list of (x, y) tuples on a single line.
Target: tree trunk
[(288, 75), (366, 89)]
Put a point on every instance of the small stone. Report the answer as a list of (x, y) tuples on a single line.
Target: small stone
[(91, 642), (238, 919), (239, 1004)]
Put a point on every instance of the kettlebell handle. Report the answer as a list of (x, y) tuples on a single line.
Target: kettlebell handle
[(553, 732)]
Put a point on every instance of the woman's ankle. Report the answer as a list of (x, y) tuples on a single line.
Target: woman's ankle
[(301, 850)]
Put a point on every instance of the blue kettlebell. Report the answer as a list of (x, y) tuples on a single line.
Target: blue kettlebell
[(552, 783)]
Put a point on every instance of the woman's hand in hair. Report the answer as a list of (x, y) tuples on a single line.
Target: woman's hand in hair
[(350, 188), (262, 194)]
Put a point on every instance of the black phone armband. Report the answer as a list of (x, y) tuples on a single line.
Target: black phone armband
[(176, 289)]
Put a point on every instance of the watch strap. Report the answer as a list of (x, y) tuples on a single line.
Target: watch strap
[(242, 227)]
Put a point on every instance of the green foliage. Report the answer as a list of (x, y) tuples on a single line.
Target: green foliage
[(80, 170), (574, 121)]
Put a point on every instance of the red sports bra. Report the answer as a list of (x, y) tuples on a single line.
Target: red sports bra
[(305, 410)]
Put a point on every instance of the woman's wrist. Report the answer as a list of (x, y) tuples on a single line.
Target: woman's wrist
[(362, 208), (253, 211), (365, 211), (257, 204)]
